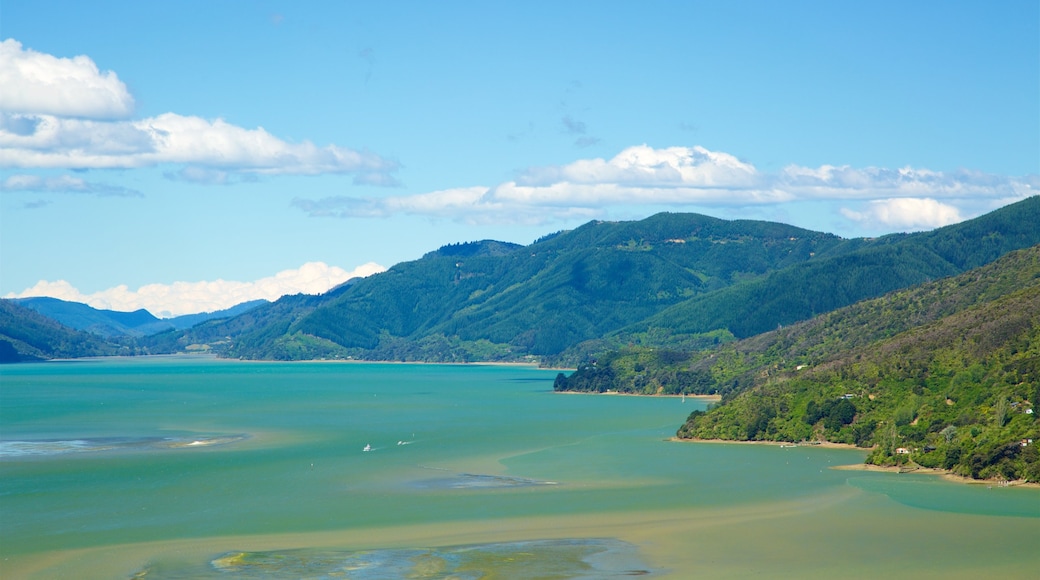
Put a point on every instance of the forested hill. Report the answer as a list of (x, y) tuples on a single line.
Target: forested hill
[(829, 282), (26, 335), (944, 375), (494, 301), (737, 366), (673, 280)]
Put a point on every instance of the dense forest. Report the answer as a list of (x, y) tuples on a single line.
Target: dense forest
[(26, 335), (945, 374), (672, 281)]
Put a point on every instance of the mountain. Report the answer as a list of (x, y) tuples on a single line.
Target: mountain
[(944, 375), (828, 282), (26, 335), (733, 367), (265, 324), (674, 281), (111, 323), (947, 371), (489, 300), (189, 320), (105, 323)]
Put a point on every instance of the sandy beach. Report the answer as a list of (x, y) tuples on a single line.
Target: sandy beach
[(945, 474), (785, 444), (712, 398)]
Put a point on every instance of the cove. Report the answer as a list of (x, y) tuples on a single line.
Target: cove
[(171, 467)]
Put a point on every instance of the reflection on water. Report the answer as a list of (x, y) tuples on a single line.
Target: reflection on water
[(48, 447), (574, 558), (476, 481)]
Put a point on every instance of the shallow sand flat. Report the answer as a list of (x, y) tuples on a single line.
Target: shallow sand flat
[(302, 481), (124, 560), (850, 534), (933, 471)]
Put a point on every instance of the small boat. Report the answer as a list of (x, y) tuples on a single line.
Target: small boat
[(367, 448)]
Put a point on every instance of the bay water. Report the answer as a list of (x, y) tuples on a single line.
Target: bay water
[(185, 467)]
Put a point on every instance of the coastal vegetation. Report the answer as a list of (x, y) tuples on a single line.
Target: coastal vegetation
[(942, 375)]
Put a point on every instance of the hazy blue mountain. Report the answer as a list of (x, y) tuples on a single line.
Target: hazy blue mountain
[(112, 323), (26, 335), (188, 320)]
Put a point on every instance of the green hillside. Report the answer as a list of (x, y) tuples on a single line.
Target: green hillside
[(671, 281), (944, 375), (805, 290), (732, 367), (265, 324), (540, 299), (26, 335), (104, 323)]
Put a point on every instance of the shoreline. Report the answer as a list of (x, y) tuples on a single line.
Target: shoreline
[(943, 473), (214, 357), (783, 444), (620, 394)]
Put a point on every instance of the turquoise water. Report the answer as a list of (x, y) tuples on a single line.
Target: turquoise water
[(106, 465)]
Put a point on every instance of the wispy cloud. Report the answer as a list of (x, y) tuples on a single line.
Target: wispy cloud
[(64, 184), (369, 56), (572, 126), (166, 300), (170, 138), (471, 205), (690, 176), (66, 114), (37, 204)]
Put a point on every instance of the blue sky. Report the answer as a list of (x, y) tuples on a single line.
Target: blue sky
[(180, 156)]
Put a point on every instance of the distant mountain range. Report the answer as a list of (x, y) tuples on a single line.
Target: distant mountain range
[(670, 281), (111, 323), (27, 335), (683, 281), (44, 328)]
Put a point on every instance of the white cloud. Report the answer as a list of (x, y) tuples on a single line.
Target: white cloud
[(58, 142), (471, 205), (64, 184), (680, 176), (166, 300), (65, 114), (34, 82), (906, 214)]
